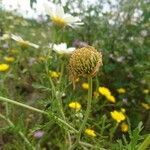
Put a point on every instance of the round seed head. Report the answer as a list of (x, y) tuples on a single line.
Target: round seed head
[(84, 62)]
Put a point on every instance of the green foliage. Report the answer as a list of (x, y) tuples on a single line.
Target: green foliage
[(124, 43)]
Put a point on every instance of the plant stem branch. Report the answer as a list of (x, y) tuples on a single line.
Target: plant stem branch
[(86, 114), (51, 114)]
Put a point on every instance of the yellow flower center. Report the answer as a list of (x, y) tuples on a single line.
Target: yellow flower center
[(24, 44), (58, 21), (124, 127)]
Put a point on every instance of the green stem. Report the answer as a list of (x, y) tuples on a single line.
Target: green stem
[(59, 101), (19, 132), (86, 114), (22, 105), (145, 143), (113, 131), (51, 114)]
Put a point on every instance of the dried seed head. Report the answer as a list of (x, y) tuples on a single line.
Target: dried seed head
[(84, 62)]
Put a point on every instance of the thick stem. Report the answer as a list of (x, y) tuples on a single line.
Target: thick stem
[(51, 114), (86, 114)]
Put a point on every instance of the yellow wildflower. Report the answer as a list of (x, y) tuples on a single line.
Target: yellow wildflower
[(146, 106), (146, 91), (111, 98), (118, 116), (4, 67), (121, 90), (9, 59), (75, 105), (85, 86), (123, 110), (90, 132), (54, 74), (104, 91), (124, 127)]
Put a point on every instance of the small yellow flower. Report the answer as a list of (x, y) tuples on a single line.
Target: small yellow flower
[(146, 106), (9, 59), (124, 127), (111, 98), (85, 86), (54, 74), (118, 116), (121, 90), (146, 91), (90, 132), (75, 105), (4, 67), (123, 110), (104, 91)]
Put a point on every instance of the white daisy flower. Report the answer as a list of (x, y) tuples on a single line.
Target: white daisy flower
[(22, 42), (62, 48), (5, 37), (60, 18)]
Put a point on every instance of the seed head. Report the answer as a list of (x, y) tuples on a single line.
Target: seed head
[(84, 62)]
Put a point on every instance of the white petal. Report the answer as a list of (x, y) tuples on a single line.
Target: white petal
[(71, 49), (34, 45), (59, 11), (72, 21), (49, 10), (16, 38), (63, 46), (69, 18)]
